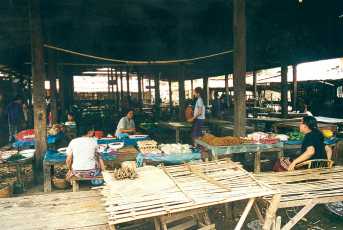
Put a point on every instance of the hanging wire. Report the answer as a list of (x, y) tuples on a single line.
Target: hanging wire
[(135, 62)]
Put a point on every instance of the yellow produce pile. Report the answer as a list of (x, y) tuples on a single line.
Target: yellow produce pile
[(221, 141)]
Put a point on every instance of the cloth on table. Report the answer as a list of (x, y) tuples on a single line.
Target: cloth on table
[(90, 174), (169, 159), (127, 141), (29, 143)]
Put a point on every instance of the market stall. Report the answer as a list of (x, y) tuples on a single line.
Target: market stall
[(177, 126), (180, 193), (227, 146)]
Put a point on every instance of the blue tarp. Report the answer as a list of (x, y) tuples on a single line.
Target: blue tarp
[(57, 157), (127, 141), (30, 143), (169, 159)]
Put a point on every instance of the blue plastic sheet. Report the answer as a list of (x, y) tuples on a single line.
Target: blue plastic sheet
[(168, 159), (329, 141), (127, 141), (57, 157), (30, 143)]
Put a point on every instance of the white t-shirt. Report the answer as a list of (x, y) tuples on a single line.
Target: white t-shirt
[(200, 105), (125, 123), (83, 150)]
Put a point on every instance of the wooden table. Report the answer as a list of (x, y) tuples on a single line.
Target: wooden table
[(305, 188), (223, 127), (267, 122), (82, 210), (177, 126), (183, 191), (257, 149), (295, 126)]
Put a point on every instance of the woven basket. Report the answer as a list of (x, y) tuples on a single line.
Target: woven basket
[(6, 191), (60, 183)]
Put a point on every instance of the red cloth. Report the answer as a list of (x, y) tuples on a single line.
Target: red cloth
[(25, 134)]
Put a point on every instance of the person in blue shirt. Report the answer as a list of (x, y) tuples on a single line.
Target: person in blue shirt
[(198, 118)]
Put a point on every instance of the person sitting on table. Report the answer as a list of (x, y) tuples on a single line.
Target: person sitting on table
[(83, 159), (126, 124), (313, 146), (198, 118)]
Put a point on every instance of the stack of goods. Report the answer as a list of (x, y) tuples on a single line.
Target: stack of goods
[(296, 136), (148, 147), (127, 171), (221, 141), (175, 148), (55, 129), (263, 138), (127, 150), (7, 155)]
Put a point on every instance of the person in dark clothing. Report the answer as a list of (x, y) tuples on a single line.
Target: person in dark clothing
[(313, 146), (14, 112), (216, 106)]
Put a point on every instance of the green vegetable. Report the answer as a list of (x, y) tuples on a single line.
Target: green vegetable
[(15, 157), (296, 136)]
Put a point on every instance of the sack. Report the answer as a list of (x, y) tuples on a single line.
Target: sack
[(281, 164)]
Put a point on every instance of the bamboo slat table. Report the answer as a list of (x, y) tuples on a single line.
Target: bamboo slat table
[(177, 126), (182, 191), (305, 188), (82, 210), (257, 149)]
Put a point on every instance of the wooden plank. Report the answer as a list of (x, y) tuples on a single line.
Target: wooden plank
[(299, 215), (170, 96), (245, 214), (239, 67), (52, 73), (284, 91), (295, 88), (271, 212)]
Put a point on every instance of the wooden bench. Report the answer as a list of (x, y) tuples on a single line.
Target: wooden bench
[(75, 182), (304, 188)]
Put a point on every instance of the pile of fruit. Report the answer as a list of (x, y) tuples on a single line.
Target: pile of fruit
[(55, 129), (148, 146), (296, 136), (175, 148), (221, 141)]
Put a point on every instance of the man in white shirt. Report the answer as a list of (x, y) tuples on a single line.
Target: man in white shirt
[(126, 124), (82, 155), (198, 118)]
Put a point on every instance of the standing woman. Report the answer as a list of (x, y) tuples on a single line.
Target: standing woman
[(198, 118)]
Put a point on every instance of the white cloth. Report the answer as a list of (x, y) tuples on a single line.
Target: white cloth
[(125, 123), (83, 150), (199, 105)]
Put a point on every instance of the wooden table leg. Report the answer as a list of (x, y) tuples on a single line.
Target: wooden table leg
[(245, 214), (157, 223), (257, 163), (47, 177), (177, 135), (308, 207), (271, 212), (280, 153)]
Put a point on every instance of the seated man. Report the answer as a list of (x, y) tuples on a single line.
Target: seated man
[(82, 158), (126, 124)]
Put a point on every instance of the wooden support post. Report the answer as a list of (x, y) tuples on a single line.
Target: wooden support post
[(239, 67), (113, 96), (117, 89), (227, 90), (181, 94), (52, 73), (140, 99), (170, 96), (121, 87), (143, 91), (157, 95), (257, 163), (308, 207), (192, 88), (206, 91), (271, 212), (295, 88), (284, 91), (128, 83), (255, 92), (38, 77), (150, 94)]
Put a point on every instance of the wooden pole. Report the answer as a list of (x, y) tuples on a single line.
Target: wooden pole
[(206, 97), (284, 91), (181, 94), (121, 86), (157, 94), (140, 99), (113, 96), (52, 73), (227, 91), (239, 67), (128, 83), (38, 77), (150, 94), (143, 91), (255, 93), (117, 88), (170, 96), (295, 88), (192, 88)]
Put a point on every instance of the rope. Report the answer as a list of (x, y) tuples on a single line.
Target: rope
[(134, 62)]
